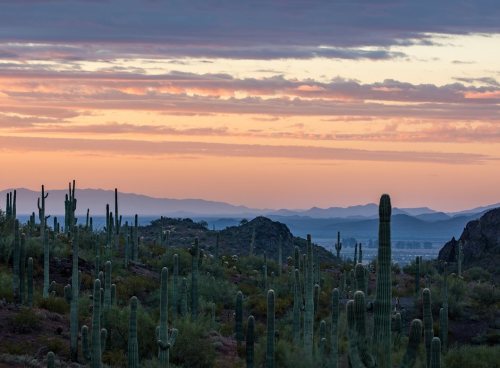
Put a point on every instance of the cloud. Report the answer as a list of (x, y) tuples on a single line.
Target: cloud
[(257, 29), (148, 148)]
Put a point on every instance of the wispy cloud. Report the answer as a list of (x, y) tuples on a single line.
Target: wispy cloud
[(148, 148)]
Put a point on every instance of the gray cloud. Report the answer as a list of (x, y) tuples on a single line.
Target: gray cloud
[(239, 29)]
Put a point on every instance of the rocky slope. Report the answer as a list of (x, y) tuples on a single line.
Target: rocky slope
[(481, 243)]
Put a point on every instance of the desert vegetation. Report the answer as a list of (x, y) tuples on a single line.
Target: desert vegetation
[(176, 294)]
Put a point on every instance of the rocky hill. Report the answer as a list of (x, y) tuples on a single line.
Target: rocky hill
[(234, 239), (481, 243)]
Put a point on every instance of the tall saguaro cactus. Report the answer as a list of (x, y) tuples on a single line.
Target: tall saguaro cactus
[(75, 286), (355, 254), (250, 341), (382, 304), (16, 260), (238, 318), (118, 222), (309, 302), (195, 255), (45, 240), (296, 307), (165, 342), (94, 354), (270, 330), (428, 329), (69, 209), (435, 361), (133, 346), (338, 245), (335, 328)]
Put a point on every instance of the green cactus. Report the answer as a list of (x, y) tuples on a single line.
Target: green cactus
[(46, 265), (135, 239), (69, 209), (428, 329), (360, 274), (184, 303), (296, 307), (74, 300), (322, 343), (460, 258), (87, 355), (127, 248), (338, 245), (271, 333), (309, 302), (355, 260), (317, 292), (107, 285), (175, 286), (360, 253), (118, 222), (95, 356), (195, 255), (398, 329), (97, 267), (435, 361), (238, 318), (296, 258), (335, 328), (16, 261), (250, 341), (264, 277), (414, 340), (133, 348), (30, 282), (417, 275), (443, 313), (50, 359), (382, 304), (165, 342)]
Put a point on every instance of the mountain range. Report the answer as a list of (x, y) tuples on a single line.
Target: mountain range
[(360, 221)]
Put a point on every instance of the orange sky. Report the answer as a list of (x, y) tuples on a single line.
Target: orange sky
[(420, 123)]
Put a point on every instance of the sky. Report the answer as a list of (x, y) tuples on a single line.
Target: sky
[(281, 104)]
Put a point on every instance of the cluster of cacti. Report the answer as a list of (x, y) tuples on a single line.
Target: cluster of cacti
[(92, 350), (69, 209)]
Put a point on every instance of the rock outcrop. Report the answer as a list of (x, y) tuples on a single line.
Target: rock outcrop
[(481, 244)]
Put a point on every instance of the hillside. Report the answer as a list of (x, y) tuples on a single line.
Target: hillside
[(481, 243)]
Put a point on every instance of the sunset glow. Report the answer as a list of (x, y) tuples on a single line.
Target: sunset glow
[(278, 106)]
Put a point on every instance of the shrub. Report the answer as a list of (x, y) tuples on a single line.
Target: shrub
[(54, 304), (473, 356), (477, 274), (24, 321), (6, 286), (193, 349)]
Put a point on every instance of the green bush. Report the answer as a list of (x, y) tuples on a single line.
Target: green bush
[(473, 356), (477, 274), (54, 304), (192, 348), (24, 321)]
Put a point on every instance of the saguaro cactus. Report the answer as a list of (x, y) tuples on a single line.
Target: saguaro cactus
[(360, 253), (107, 285), (195, 255), (69, 209), (335, 328), (16, 261), (360, 278), (413, 342), (238, 318), (75, 286), (94, 354), (382, 304), (460, 258), (165, 342), (428, 331), (133, 346), (250, 341), (50, 359), (338, 245), (30, 282), (270, 330), (296, 307), (435, 353), (175, 287), (355, 260), (309, 302)]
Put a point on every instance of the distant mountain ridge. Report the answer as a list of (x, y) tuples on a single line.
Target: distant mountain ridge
[(131, 203)]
